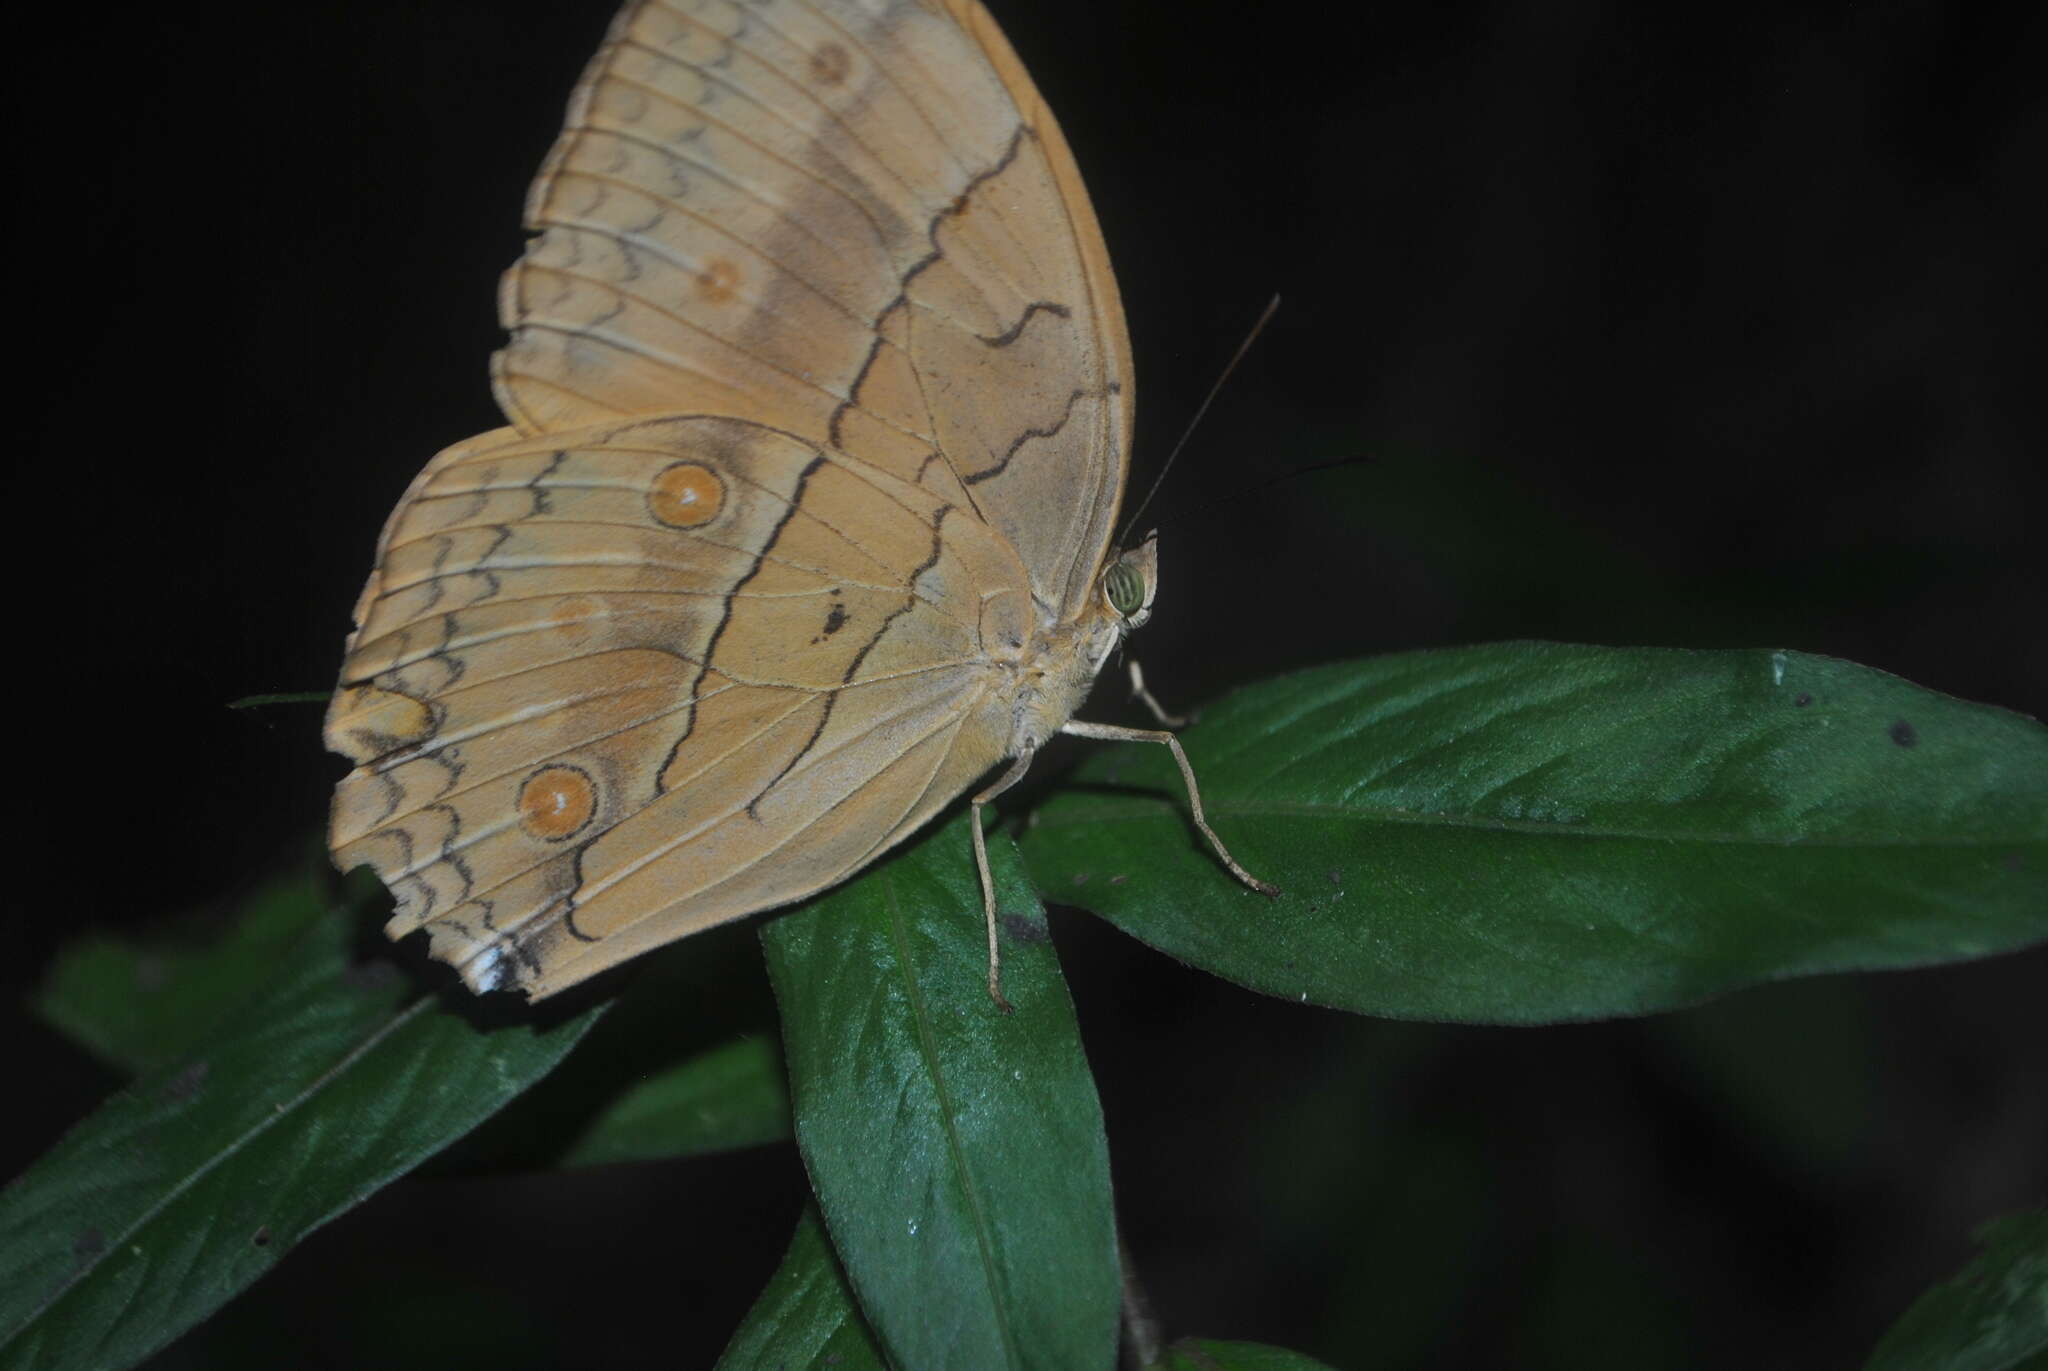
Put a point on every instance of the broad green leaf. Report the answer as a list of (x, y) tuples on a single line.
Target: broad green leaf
[(731, 1096), (1206, 1354), (1992, 1316), (957, 1152), (1532, 832), (806, 1317), (139, 1003), (183, 1189)]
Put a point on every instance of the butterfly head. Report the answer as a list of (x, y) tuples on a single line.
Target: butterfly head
[(1129, 582)]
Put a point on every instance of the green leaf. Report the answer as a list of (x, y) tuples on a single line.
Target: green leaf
[(1993, 1315), (1206, 1354), (1532, 832), (139, 1004), (806, 1316), (182, 1190), (671, 1007), (731, 1096), (957, 1152)]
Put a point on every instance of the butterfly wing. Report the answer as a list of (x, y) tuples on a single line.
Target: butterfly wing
[(819, 397), (615, 686), (857, 218)]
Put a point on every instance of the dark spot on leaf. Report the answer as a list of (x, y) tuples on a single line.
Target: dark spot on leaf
[(262, 1236), (1903, 734), (370, 975), (88, 1245), (1802, 699), (1080, 878), (2015, 861), (186, 1083), (1023, 927), (1336, 878)]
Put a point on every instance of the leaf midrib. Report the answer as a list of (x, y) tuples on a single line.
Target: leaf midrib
[(1152, 812), (928, 1048)]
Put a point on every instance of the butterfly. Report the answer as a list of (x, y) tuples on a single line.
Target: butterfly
[(819, 397)]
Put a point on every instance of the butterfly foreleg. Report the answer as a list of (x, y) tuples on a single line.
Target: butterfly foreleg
[(988, 886), (1117, 734), (1138, 692)]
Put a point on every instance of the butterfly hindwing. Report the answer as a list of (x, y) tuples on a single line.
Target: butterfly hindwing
[(591, 660)]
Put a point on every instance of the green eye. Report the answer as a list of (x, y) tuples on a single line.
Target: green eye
[(1125, 588)]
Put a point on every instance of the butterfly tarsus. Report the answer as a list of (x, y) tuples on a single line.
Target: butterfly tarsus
[(1015, 773), (1117, 734), (1138, 692)]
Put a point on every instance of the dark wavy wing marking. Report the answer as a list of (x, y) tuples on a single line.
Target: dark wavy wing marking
[(712, 661)]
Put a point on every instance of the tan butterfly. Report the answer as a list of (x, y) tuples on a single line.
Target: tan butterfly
[(820, 397)]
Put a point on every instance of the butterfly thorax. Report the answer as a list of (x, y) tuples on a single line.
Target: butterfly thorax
[(1057, 668), (1055, 676)]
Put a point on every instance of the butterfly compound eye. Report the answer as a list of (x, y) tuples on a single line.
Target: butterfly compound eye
[(1125, 587)]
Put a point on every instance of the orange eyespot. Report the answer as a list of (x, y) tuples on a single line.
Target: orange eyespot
[(719, 281), (686, 495), (556, 802)]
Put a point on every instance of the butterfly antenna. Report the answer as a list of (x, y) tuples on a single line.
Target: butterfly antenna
[(1313, 468), (294, 697), (1200, 410)]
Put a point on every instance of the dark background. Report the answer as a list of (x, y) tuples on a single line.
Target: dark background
[(1712, 327)]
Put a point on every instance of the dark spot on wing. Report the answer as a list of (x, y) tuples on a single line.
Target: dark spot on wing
[(1902, 733), (830, 64), (835, 620)]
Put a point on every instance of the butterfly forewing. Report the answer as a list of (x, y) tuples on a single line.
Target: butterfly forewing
[(857, 222)]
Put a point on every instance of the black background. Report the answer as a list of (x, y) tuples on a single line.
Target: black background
[(1712, 327)]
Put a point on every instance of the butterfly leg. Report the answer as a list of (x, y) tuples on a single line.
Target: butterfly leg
[(988, 884), (1138, 692), (1114, 733)]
